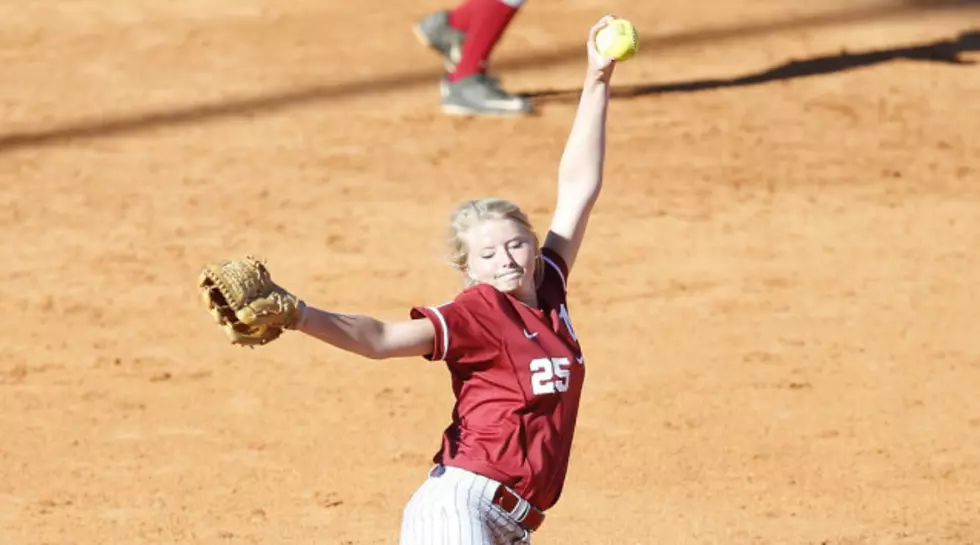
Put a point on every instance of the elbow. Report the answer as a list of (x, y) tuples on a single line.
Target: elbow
[(371, 343), (375, 345), (376, 353), (579, 181), (373, 348), (569, 172), (581, 194)]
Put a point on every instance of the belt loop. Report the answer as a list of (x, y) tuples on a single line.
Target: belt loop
[(523, 507), (518, 508)]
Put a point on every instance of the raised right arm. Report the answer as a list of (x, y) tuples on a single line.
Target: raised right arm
[(367, 336)]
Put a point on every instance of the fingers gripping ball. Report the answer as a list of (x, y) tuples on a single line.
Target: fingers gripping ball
[(242, 298), (617, 40)]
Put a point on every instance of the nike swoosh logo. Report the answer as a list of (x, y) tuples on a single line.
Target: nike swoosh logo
[(580, 359), (530, 335)]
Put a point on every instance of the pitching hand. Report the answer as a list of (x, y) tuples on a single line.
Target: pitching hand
[(599, 66)]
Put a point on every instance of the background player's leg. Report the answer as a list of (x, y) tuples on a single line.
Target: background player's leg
[(465, 38), (468, 89), (460, 17), (444, 33), (484, 22)]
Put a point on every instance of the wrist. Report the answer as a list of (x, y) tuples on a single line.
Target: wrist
[(299, 316), (595, 94), (596, 81)]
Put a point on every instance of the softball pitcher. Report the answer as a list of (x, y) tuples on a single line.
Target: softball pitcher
[(507, 340)]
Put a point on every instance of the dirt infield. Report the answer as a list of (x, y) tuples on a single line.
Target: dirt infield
[(774, 299)]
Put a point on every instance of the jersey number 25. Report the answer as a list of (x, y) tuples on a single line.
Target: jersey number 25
[(550, 375)]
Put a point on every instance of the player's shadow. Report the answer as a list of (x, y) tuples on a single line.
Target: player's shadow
[(945, 51)]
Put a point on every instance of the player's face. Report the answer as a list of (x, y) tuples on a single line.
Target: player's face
[(501, 253)]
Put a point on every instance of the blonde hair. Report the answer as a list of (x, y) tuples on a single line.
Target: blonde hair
[(472, 212)]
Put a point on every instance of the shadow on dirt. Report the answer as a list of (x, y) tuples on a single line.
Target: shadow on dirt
[(281, 100), (945, 51)]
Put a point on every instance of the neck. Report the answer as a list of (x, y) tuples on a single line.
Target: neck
[(529, 299)]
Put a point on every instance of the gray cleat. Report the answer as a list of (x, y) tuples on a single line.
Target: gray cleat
[(435, 33), (479, 95)]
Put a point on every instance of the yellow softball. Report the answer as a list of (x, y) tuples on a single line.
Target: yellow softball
[(617, 40)]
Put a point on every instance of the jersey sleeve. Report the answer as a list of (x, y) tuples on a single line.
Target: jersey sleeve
[(461, 335), (556, 270)]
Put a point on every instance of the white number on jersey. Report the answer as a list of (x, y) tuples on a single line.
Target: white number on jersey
[(563, 314), (549, 375)]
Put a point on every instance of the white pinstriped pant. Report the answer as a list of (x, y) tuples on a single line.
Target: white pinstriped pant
[(455, 507)]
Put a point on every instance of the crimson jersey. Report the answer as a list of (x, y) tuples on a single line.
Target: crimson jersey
[(517, 376)]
